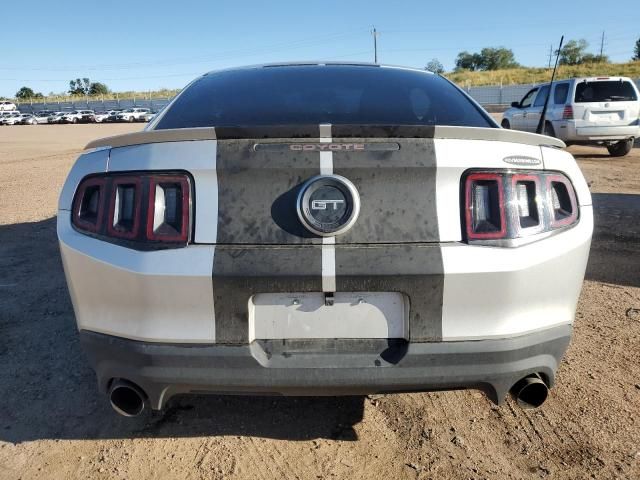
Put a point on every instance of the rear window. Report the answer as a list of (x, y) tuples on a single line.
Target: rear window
[(336, 94), (605, 91)]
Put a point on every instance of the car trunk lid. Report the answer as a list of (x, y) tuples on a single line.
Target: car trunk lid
[(260, 179)]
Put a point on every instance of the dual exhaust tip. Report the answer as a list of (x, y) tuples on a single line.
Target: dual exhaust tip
[(129, 400), (530, 392)]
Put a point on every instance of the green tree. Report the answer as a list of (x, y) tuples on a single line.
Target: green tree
[(79, 86), (573, 52), (97, 88), (497, 59), (25, 93), (489, 58), (467, 61), (636, 51), (435, 66)]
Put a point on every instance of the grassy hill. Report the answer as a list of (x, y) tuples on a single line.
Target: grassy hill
[(517, 76)]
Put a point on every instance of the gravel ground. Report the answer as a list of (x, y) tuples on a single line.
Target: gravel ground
[(54, 424)]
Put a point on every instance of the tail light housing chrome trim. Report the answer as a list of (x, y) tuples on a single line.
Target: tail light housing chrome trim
[(492, 186), (124, 212), (126, 209), (176, 229), (562, 198), (87, 212), (525, 206)]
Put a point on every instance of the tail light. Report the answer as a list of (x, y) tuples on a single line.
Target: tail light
[(144, 211), (507, 208), (567, 113)]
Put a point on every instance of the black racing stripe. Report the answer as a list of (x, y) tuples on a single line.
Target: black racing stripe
[(415, 270), (397, 193), (311, 131), (276, 131), (257, 191), (242, 271)]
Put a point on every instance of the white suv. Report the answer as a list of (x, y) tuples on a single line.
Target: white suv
[(133, 115), (584, 111), (4, 106)]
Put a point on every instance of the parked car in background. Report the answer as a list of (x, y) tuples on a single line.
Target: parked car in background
[(78, 116), (56, 117), (14, 118), (583, 111), (113, 116), (100, 117), (147, 117), (7, 106), (133, 115), (43, 116), (28, 119)]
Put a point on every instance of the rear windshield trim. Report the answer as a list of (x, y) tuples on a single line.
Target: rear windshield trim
[(340, 95)]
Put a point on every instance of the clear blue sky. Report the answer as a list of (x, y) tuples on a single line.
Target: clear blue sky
[(133, 45)]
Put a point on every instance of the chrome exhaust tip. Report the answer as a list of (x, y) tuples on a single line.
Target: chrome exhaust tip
[(127, 398), (530, 392)]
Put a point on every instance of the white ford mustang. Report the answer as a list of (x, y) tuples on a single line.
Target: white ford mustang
[(324, 229)]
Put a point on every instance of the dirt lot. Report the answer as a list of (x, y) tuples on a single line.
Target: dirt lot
[(54, 424)]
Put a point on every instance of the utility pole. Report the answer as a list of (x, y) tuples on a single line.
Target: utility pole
[(601, 46), (550, 54), (375, 44)]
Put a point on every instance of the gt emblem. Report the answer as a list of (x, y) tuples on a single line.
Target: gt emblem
[(322, 204), (328, 205)]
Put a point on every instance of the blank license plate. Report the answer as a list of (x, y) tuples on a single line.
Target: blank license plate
[(305, 315)]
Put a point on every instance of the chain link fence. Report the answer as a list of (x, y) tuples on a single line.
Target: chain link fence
[(154, 104)]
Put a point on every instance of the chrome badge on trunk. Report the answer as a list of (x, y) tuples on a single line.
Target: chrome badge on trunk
[(328, 205)]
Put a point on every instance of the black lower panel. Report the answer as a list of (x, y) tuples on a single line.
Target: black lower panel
[(415, 270), (318, 367), (242, 271)]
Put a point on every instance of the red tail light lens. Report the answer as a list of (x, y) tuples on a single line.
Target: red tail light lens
[(144, 211), (567, 113), (87, 204), (124, 209), (486, 220), (509, 209), (169, 200), (562, 199)]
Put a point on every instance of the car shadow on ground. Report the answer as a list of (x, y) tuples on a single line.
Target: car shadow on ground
[(49, 391), (593, 156), (615, 248)]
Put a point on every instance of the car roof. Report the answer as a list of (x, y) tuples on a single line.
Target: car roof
[(602, 78), (320, 64)]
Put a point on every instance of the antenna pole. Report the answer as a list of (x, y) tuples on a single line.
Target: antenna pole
[(375, 34), (543, 115)]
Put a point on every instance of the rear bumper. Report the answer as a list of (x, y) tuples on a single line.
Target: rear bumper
[(569, 131), (325, 367)]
